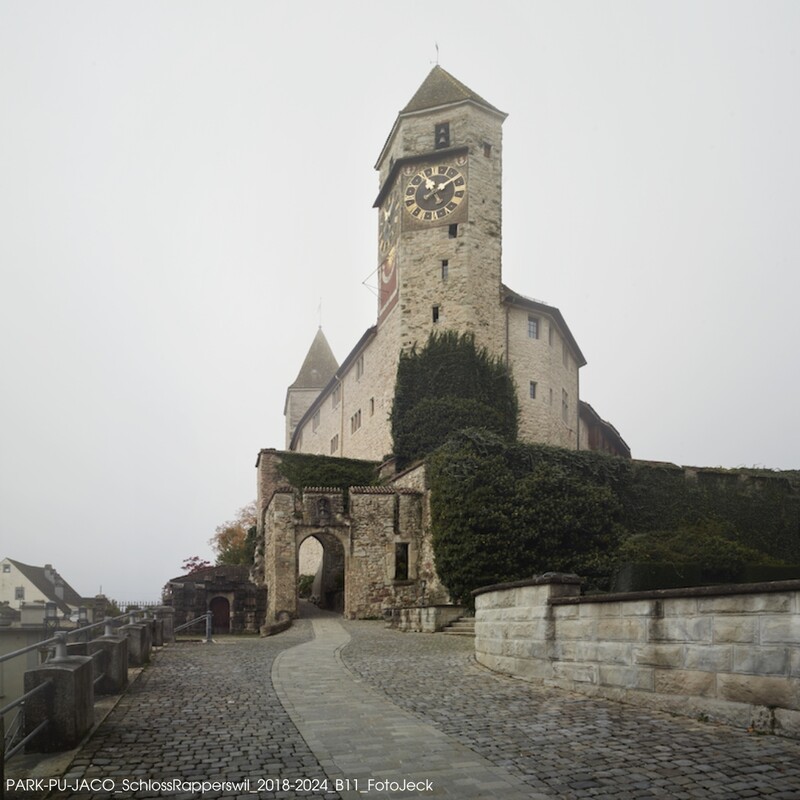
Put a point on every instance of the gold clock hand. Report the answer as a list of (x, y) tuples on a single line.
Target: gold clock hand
[(436, 189)]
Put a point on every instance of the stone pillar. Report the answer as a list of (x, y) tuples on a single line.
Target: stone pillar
[(157, 631), (114, 663), (167, 616), (67, 703), (280, 560), (139, 642)]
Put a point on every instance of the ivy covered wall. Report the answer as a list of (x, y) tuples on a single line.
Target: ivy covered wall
[(505, 511), (448, 385)]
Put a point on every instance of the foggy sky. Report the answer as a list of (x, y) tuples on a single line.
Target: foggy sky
[(184, 186)]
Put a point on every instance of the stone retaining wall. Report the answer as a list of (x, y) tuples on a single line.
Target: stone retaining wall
[(424, 619), (730, 653)]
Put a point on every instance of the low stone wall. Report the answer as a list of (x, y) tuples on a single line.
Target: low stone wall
[(423, 619), (730, 653)]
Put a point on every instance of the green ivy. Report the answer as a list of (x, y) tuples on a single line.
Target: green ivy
[(449, 385), (505, 511), (304, 469)]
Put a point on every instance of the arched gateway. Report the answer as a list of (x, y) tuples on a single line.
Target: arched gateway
[(377, 555)]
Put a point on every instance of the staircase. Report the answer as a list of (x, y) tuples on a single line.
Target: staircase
[(463, 626)]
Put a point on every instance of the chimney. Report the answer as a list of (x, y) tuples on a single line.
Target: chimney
[(48, 572)]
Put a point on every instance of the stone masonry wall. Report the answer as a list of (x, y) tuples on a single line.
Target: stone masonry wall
[(730, 653), (543, 360), (380, 519), (435, 591)]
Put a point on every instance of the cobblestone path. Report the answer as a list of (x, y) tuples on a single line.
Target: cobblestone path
[(564, 745), (211, 713), (201, 713)]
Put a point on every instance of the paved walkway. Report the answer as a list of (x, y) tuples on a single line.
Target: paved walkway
[(332, 700), (370, 744)]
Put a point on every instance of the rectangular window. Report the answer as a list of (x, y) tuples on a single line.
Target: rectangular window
[(334, 444), (435, 313), (533, 327), (371, 406), (355, 421), (532, 390), (452, 231), (19, 593), (565, 354), (359, 366), (442, 135), (487, 149), (565, 406), (401, 561), (6, 567), (336, 396), (445, 268), (315, 421)]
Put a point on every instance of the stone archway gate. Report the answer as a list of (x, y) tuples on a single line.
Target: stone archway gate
[(388, 560)]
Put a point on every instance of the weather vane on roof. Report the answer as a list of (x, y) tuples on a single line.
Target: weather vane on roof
[(436, 45)]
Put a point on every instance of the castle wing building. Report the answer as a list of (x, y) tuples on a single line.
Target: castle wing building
[(439, 259)]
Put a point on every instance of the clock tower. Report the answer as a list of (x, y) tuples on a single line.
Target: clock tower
[(439, 206)]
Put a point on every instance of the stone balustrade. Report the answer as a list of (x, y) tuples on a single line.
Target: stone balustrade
[(730, 653), (81, 670)]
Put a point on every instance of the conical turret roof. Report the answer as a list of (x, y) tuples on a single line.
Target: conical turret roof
[(440, 88), (319, 366)]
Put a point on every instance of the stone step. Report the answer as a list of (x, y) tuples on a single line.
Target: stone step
[(463, 626)]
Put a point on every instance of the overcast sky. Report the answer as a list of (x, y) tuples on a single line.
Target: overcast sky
[(183, 184)]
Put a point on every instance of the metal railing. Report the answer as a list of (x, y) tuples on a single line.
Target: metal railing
[(18, 722), (54, 649), (209, 625)]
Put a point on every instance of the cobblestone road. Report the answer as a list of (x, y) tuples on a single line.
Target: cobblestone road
[(200, 713), (562, 744), (210, 713)]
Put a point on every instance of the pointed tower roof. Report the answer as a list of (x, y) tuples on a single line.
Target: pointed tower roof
[(319, 366), (440, 88)]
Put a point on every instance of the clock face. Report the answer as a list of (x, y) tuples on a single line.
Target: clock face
[(434, 192), (389, 223)]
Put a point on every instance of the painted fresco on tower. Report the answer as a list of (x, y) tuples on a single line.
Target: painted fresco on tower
[(388, 285)]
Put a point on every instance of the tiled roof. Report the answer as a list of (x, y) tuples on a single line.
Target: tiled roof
[(231, 572), (440, 88)]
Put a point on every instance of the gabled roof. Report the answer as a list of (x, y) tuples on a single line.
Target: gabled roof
[(440, 88), (38, 577), (319, 366)]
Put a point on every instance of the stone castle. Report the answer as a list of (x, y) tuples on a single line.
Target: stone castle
[(439, 268)]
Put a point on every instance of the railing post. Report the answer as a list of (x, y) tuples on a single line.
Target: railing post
[(60, 647), (209, 628), (83, 619), (67, 704), (109, 627)]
